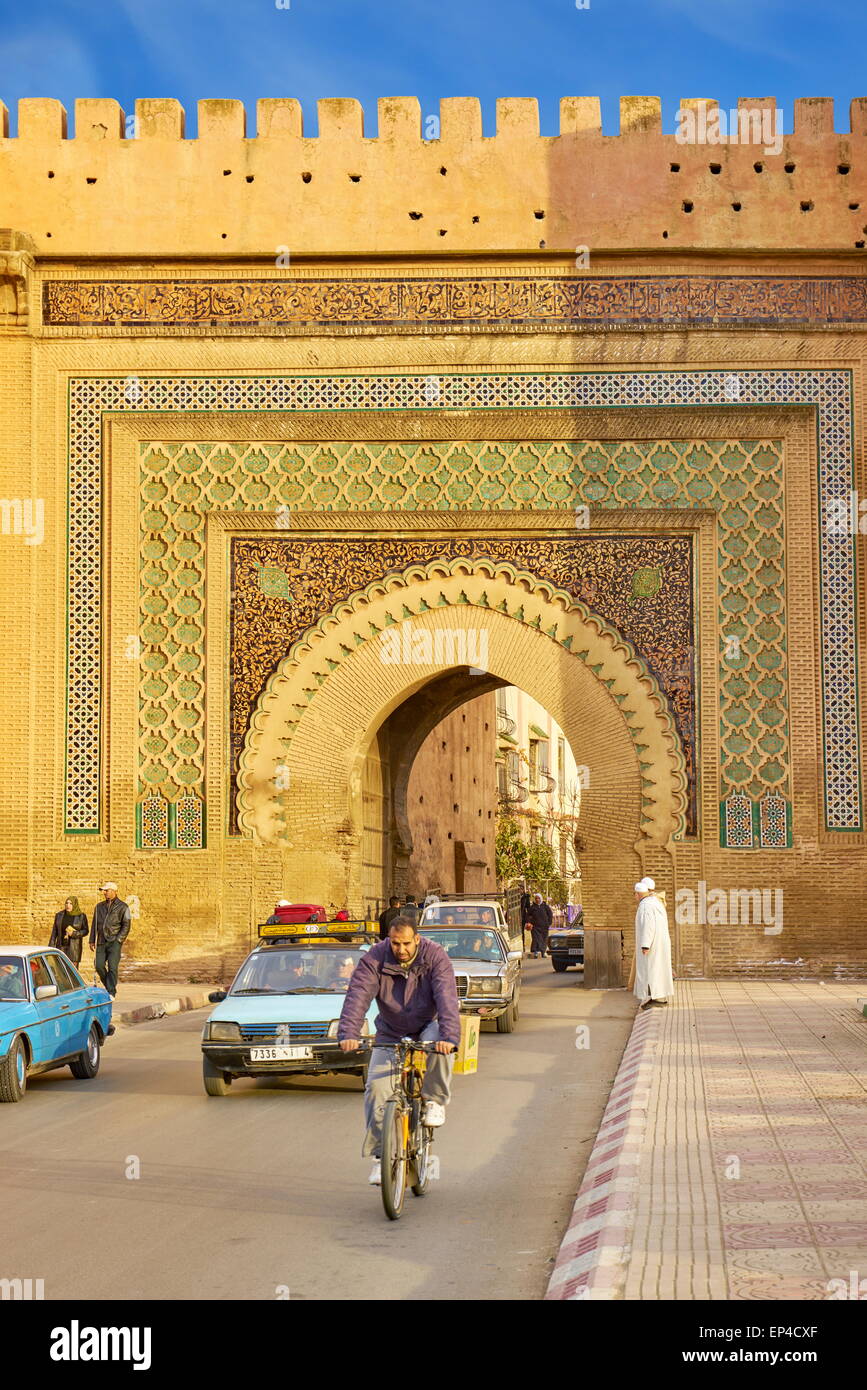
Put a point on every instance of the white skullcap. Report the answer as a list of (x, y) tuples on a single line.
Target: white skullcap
[(645, 885), (284, 903)]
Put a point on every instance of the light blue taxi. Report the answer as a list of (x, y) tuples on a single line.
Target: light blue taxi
[(49, 1018), (279, 1016)]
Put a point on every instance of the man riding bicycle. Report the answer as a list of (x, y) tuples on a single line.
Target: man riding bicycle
[(412, 980)]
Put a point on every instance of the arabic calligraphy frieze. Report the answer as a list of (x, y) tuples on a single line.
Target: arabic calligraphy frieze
[(551, 302)]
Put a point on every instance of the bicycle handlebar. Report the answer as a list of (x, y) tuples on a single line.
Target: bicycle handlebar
[(366, 1044)]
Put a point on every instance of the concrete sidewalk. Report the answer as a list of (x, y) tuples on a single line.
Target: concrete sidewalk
[(140, 1003), (731, 1162)]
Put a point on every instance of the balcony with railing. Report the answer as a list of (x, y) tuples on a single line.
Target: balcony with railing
[(506, 726), (511, 790), (541, 782)]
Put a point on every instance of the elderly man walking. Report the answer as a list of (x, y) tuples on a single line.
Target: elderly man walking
[(653, 979)]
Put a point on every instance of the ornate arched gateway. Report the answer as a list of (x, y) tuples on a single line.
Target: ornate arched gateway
[(302, 764), (228, 473)]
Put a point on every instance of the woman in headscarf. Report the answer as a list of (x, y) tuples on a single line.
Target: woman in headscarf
[(70, 927)]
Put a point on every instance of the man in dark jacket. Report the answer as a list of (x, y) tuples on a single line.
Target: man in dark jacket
[(108, 931), (387, 917), (412, 980), (540, 918)]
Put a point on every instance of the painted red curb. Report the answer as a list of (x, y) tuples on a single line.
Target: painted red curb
[(593, 1256)]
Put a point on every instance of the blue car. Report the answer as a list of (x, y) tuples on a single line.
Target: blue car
[(279, 1017), (49, 1018)]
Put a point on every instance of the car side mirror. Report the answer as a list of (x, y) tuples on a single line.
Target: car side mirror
[(218, 995), (515, 955), (46, 991)]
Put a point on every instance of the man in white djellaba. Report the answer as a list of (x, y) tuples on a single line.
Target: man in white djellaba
[(653, 979)]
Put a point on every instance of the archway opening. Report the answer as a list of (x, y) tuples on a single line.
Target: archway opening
[(470, 786)]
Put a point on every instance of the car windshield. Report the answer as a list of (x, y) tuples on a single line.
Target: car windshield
[(297, 971), (13, 984), (454, 915), (466, 945)]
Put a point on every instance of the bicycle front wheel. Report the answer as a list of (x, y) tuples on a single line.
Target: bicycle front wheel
[(394, 1159)]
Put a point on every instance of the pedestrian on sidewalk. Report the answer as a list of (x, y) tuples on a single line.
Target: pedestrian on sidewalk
[(70, 927), (540, 917), (108, 931), (653, 979), (387, 917)]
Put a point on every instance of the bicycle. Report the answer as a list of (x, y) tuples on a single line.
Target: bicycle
[(406, 1142)]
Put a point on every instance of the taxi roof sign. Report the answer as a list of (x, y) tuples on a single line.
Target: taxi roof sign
[(324, 931)]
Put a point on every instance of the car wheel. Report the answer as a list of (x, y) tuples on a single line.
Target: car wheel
[(559, 965), (13, 1072), (86, 1064), (506, 1020), (217, 1083)]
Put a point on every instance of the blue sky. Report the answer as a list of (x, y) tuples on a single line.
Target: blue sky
[(435, 48)]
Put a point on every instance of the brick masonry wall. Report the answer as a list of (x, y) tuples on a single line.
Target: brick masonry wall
[(198, 908), (453, 795)]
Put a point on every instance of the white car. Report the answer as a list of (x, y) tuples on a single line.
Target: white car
[(475, 912)]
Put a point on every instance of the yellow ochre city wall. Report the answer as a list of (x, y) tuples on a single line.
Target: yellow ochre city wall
[(135, 187), (128, 200)]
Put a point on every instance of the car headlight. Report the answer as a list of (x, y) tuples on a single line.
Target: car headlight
[(218, 1031), (485, 984), (332, 1027)]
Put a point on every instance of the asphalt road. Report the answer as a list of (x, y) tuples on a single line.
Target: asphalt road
[(265, 1191)]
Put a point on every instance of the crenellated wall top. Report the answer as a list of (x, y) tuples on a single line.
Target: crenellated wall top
[(723, 180)]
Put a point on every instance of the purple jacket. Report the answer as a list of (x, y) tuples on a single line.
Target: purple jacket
[(408, 998)]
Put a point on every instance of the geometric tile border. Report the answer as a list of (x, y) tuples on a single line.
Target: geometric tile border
[(829, 390)]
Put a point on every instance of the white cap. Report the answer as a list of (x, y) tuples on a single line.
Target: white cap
[(107, 886), (284, 903), (645, 885)]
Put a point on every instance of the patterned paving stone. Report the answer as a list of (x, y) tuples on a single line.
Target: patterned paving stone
[(748, 1150)]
